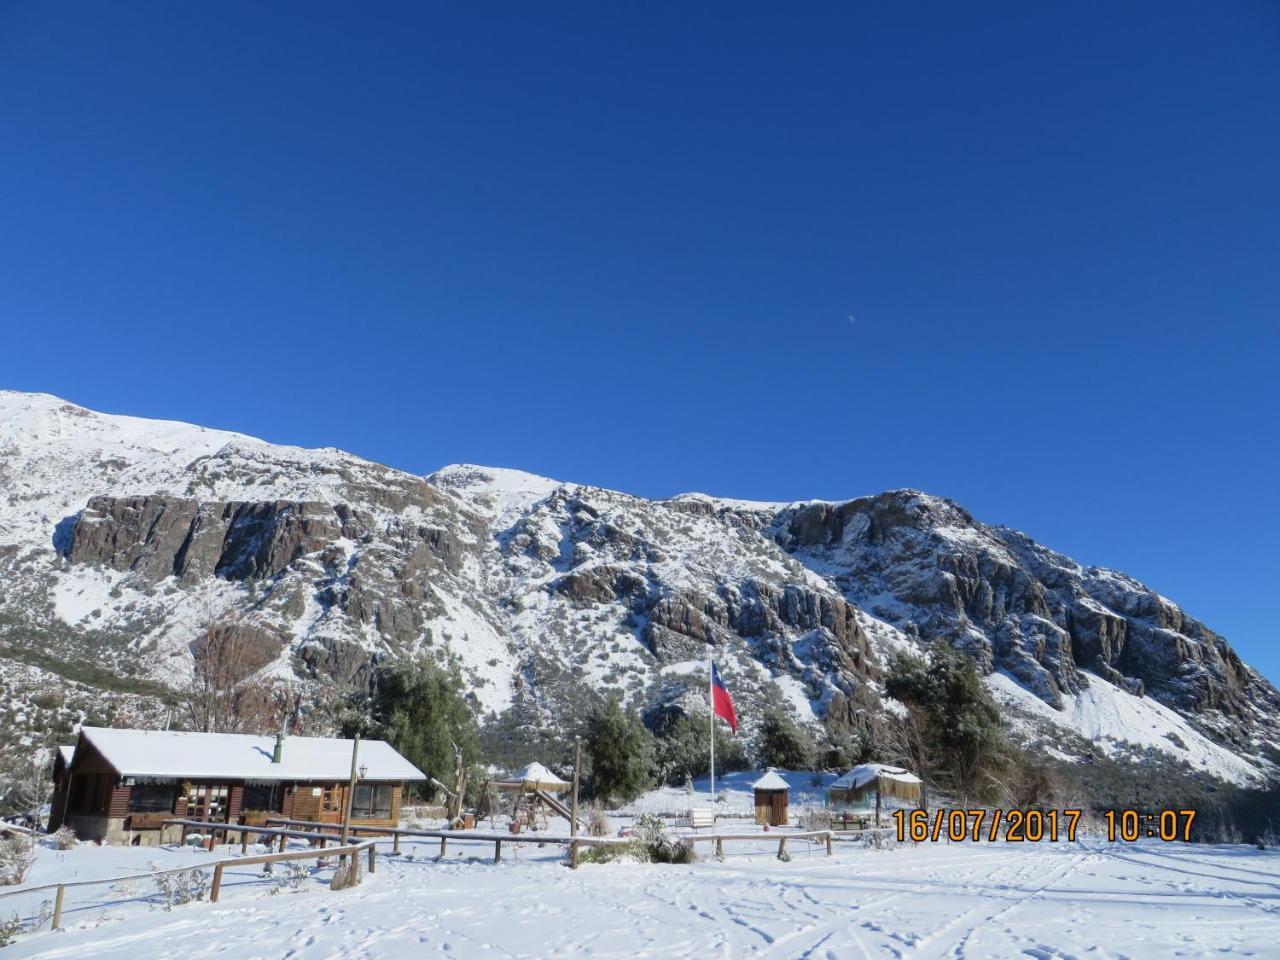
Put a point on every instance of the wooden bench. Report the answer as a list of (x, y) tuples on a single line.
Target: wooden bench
[(702, 819)]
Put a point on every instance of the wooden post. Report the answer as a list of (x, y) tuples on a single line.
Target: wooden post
[(216, 888), (828, 843), (782, 848), (183, 841), (372, 865), (573, 819), (497, 851), (283, 838), (719, 848), (877, 803), (444, 841), (57, 907), (351, 789), (395, 843)]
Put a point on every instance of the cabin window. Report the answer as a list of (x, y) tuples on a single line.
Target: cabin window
[(152, 798), (371, 801), (207, 802), (263, 796)]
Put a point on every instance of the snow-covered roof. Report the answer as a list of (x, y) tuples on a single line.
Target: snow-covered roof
[(536, 775), (169, 754), (771, 781), (865, 773), (66, 753)]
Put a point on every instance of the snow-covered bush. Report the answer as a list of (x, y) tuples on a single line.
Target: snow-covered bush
[(179, 888), (64, 838), (9, 929), (597, 822), (295, 874), (16, 857), (660, 846), (814, 818)]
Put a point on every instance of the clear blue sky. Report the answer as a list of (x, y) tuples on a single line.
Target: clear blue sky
[(622, 244)]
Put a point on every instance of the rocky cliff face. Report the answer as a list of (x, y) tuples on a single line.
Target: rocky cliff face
[(121, 539)]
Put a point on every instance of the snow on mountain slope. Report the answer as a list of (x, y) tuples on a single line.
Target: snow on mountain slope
[(121, 539)]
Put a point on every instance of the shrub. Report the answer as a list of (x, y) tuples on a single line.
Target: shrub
[(597, 822), (814, 818), (16, 857), (9, 929), (176, 889), (64, 838)]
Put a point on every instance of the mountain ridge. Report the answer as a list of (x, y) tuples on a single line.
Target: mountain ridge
[(118, 534)]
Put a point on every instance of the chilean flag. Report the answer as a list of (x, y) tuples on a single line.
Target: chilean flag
[(721, 702)]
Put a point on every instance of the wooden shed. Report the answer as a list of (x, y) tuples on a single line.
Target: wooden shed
[(772, 796), (120, 785)]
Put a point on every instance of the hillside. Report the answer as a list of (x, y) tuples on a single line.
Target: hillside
[(121, 538)]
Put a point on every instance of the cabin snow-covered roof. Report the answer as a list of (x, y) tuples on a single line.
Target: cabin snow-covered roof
[(175, 755), (66, 753), (771, 781)]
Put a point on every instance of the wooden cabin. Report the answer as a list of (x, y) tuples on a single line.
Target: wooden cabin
[(119, 785), (772, 797)]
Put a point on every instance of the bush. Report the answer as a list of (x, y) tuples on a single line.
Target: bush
[(176, 889), (64, 838), (9, 929), (597, 822), (650, 844), (814, 818), (783, 744), (16, 857)]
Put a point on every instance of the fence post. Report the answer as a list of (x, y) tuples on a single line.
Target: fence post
[(395, 846), (573, 854), (828, 843), (443, 844), (782, 848), (57, 907), (497, 851), (372, 852), (719, 848), (283, 838), (216, 888)]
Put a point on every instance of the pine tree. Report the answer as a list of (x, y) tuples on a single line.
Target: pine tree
[(621, 753)]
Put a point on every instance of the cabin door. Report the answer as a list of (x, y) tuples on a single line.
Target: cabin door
[(207, 802), (779, 818)]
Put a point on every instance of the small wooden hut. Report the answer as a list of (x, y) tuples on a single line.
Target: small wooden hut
[(772, 795), (878, 779)]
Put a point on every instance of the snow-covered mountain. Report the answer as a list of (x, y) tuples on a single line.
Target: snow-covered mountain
[(120, 538)]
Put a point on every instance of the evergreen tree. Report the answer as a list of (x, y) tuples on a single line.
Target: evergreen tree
[(419, 708), (683, 748), (965, 742), (621, 753), (782, 743)]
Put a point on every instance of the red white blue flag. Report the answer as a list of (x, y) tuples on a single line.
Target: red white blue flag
[(722, 703)]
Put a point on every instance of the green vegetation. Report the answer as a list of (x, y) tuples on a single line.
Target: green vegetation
[(419, 708), (681, 748), (953, 732), (620, 751), (782, 743)]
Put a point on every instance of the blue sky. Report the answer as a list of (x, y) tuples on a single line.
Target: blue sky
[(1021, 255)]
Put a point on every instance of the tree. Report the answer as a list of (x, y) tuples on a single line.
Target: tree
[(682, 748), (621, 753), (782, 743), (962, 741), (419, 708)]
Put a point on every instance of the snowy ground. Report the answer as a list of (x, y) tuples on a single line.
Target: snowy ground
[(1089, 899)]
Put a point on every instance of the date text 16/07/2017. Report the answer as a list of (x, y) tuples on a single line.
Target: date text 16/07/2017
[(1018, 826)]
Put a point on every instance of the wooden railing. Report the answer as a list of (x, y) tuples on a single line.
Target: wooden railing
[(353, 850), (782, 838)]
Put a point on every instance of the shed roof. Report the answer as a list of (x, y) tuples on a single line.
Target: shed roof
[(771, 781), (538, 777), (171, 754), (864, 774)]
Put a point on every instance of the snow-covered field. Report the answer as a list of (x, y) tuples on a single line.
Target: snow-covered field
[(1089, 899)]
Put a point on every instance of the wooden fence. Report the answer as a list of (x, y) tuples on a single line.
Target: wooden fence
[(782, 838), (215, 888)]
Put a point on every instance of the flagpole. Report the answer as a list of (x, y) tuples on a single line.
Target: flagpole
[(711, 702)]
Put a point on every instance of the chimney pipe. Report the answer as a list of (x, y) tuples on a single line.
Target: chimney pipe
[(279, 750)]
